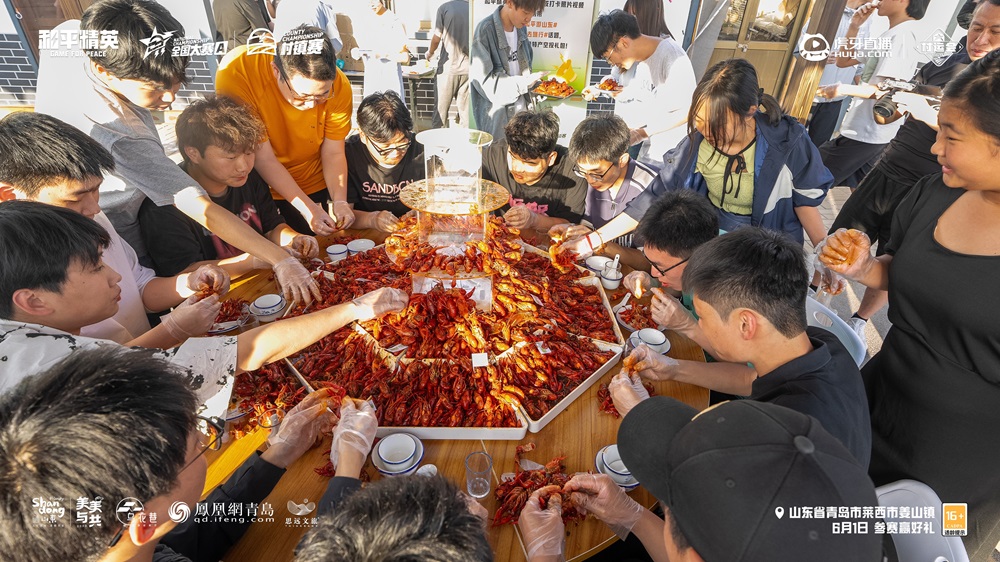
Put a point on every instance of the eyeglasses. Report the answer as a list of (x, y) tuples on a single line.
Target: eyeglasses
[(210, 432), (398, 149), (611, 51), (662, 272), (590, 175), (303, 98)]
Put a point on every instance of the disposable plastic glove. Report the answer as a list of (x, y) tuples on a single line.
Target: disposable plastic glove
[(385, 221), (566, 231), (543, 529), (668, 311), (295, 282), (598, 494), (209, 276), (579, 246), (638, 282), (301, 426), (355, 430), (343, 214), (520, 217), (304, 246), (626, 391), (847, 252), (648, 364), (379, 302), (192, 317)]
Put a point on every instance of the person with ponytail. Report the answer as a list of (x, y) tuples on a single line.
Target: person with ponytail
[(754, 163), (934, 388)]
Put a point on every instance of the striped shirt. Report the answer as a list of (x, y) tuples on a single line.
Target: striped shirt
[(601, 207)]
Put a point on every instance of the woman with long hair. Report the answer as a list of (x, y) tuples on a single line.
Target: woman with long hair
[(649, 14)]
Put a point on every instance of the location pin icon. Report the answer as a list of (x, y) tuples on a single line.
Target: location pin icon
[(779, 511)]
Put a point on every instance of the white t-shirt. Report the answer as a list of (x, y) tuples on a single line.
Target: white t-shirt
[(209, 364), (130, 322), (515, 66), (901, 64)]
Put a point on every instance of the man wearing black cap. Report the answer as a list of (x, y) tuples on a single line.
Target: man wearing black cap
[(729, 479)]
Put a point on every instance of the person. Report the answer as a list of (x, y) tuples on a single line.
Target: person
[(451, 33), (217, 139), (749, 290), (853, 154), (500, 68), (314, 13), (236, 20), (751, 160), (725, 479), (385, 40), (824, 116), (649, 15), (43, 159), (656, 77), (109, 94), (43, 305), (537, 172), (305, 103), (933, 387), (111, 424), (599, 147), (382, 159), (908, 156)]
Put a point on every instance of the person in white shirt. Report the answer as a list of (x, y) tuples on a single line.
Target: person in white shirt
[(656, 79), (854, 153), (318, 13)]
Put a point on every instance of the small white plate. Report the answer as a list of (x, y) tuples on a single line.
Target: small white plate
[(624, 324), (223, 327)]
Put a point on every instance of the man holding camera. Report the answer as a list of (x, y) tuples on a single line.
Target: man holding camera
[(908, 157), (893, 55)]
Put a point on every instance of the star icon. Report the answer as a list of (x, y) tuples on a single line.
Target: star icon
[(157, 43)]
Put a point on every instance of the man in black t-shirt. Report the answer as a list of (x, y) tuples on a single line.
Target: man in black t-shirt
[(381, 160), (539, 174), (217, 139), (908, 156)]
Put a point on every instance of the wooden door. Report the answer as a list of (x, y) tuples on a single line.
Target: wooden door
[(42, 15)]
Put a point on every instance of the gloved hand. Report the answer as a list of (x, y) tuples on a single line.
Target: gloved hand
[(668, 311), (626, 391), (355, 430), (543, 529), (648, 364), (379, 302), (319, 221), (385, 221), (520, 217), (598, 494), (304, 246), (301, 427), (192, 317), (829, 281), (581, 247), (565, 231), (476, 508), (527, 82), (343, 214), (295, 282), (638, 282), (209, 276), (847, 252)]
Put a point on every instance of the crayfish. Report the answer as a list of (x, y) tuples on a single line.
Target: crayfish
[(512, 495), (607, 405)]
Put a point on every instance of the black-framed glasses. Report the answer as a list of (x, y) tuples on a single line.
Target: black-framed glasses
[(302, 98), (590, 175), (210, 432), (398, 149), (662, 272)]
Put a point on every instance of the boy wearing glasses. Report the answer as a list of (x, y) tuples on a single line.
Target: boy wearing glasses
[(217, 139), (382, 159), (305, 103)]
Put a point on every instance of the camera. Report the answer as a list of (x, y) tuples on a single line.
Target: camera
[(885, 108)]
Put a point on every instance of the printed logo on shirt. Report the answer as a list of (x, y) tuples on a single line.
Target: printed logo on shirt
[(247, 214), (513, 57), (372, 187)]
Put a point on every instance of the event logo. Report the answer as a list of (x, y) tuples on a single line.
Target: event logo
[(127, 509), (305, 508), (814, 48), (261, 42), (157, 43), (179, 512), (938, 46)]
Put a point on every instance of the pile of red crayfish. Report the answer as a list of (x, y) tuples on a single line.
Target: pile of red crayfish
[(512, 495)]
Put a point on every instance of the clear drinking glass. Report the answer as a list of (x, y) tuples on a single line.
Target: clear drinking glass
[(478, 467)]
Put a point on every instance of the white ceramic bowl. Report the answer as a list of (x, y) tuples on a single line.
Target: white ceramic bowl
[(268, 307), (614, 466), (655, 339), (397, 450), (414, 463), (336, 252), (360, 245), (597, 263), (626, 482)]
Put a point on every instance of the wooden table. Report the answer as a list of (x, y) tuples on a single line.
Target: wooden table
[(579, 433)]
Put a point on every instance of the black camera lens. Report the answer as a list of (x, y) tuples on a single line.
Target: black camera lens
[(884, 107)]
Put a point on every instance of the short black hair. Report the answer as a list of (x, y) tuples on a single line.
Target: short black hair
[(975, 90), (677, 223), (38, 151), (753, 268), (532, 134), (681, 542), (109, 423), (602, 136), (611, 27), (917, 8), (320, 66), (39, 243), (537, 6), (404, 518), (135, 21), (383, 115)]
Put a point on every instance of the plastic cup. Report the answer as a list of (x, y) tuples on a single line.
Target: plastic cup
[(478, 466)]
